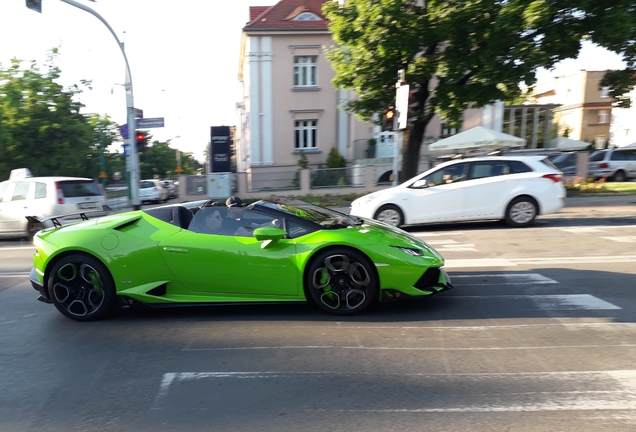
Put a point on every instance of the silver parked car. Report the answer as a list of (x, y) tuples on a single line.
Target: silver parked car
[(152, 190), (172, 187), (615, 164)]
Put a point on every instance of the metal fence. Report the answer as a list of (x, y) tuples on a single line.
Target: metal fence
[(337, 177), (273, 181)]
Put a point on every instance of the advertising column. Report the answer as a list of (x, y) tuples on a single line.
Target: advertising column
[(219, 184)]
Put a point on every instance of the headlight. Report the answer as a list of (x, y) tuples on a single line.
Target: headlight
[(410, 251)]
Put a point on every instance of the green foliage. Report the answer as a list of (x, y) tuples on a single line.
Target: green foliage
[(303, 162), (458, 52), (335, 159), (41, 127)]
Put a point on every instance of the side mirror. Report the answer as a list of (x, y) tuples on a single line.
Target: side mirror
[(419, 184), (268, 235)]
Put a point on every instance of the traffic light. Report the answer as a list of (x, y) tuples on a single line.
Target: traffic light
[(141, 140), (388, 120)]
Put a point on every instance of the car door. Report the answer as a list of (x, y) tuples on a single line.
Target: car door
[(225, 264), (487, 188), (437, 197), (631, 156)]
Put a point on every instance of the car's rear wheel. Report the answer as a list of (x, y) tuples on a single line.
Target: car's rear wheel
[(82, 288), (521, 211), (390, 214), (619, 176), (341, 281)]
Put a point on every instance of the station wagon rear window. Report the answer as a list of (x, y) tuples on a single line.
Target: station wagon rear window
[(79, 188)]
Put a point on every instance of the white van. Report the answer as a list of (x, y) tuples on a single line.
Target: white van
[(24, 195)]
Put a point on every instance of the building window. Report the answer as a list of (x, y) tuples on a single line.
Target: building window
[(605, 92), (307, 16), (305, 71), (602, 116), (306, 134)]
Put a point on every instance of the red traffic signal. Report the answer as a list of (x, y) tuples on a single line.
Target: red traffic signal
[(141, 141)]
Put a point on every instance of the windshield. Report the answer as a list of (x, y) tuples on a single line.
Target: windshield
[(322, 216)]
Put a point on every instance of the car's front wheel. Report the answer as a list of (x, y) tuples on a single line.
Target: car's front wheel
[(390, 214), (81, 288), (521, 212), (341, 281)]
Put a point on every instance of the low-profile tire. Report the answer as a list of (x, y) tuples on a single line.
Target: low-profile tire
[(521, 212), (81, 288), (341, 281), (390, 214), (619, 176)]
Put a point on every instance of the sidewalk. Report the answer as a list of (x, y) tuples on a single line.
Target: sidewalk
[(592, 206)]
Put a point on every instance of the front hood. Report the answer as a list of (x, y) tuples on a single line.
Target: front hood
[(380, 232)]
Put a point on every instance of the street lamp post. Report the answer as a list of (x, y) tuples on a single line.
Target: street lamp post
[(133, 159)]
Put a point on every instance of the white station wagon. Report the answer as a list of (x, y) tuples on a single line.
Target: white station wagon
[(511, 188), (24, 195)]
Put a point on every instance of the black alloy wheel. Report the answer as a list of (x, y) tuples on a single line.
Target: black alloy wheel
[(341, 281), (82, 288)]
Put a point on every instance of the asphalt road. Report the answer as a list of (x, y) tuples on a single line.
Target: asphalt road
[(537, 335)]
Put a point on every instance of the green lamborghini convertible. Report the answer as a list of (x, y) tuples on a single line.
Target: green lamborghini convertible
[(200, 253)]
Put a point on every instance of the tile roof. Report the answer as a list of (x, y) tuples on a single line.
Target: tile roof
[(255, 11), (280, 16)]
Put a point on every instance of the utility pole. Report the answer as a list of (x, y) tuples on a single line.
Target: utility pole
[(399, 120), (133, 159)]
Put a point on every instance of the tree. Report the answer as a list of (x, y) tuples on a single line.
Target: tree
[(459, 53), (41, 127)]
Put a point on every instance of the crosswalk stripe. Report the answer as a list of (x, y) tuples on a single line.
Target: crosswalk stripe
[(509, 279), (513, 262), (547, 302)]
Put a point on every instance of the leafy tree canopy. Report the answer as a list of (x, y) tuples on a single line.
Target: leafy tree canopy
[(458, 53)]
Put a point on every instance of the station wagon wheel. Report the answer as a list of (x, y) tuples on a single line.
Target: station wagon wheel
[(521, 211), (81, 288), (390, 215), (619, 176), (341, 281)]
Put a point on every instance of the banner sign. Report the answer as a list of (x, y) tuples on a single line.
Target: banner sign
[(220, 149)]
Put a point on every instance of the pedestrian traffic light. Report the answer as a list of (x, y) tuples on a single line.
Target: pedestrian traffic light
[(141, 140), (388, 120)]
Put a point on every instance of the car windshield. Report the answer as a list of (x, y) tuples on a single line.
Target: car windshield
[(146, 184), (597, 156), (322, 216)]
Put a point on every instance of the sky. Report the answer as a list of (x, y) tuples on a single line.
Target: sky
[(183, 57)]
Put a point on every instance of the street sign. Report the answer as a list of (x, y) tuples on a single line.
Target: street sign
[(139, 114), (126, 150), (147, 123), (402, 105), (123, 130)]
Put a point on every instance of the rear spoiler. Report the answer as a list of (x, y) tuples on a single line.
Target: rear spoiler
[(55, 219)]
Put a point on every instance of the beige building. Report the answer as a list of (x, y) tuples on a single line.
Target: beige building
[(585, 109), (289, 104)]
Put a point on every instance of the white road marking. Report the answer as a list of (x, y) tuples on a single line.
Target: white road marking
[(513, 262), (436, 234), (510, 279), (14, 275), (582, 230), (549, 302), (17, 248), (547, 391), (622, 239)]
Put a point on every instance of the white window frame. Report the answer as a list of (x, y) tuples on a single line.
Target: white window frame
[(603, 116), (305, 71), (605, 92), (306, 134)]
